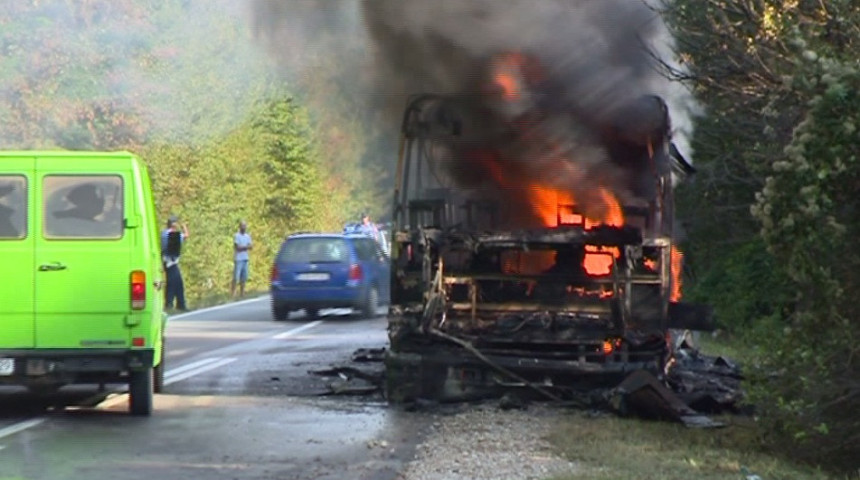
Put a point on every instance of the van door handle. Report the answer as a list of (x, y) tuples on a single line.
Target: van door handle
[(51, 267)]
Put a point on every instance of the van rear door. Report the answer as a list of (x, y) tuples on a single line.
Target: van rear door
[(16, 252), (83, 252)]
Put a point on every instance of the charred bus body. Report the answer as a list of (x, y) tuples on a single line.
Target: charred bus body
[(516, 265)]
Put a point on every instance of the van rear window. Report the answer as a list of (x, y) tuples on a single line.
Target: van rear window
[(77, 206), (13, 207), (315, 250)]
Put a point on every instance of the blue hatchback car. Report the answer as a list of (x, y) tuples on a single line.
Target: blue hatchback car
[(313, 271)]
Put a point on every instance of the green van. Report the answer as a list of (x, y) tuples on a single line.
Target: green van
[(80, 290)]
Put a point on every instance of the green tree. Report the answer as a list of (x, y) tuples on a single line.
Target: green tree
[(810, 216), (266, 172), (780, 137)]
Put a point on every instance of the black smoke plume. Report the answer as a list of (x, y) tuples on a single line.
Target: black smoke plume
[(561, 93)]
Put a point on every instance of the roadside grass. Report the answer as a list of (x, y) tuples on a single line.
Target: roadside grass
[(220, 298), (724, 345), (611, 448)]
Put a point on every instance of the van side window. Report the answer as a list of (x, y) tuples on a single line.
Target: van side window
[(13, 207), (77, 206)]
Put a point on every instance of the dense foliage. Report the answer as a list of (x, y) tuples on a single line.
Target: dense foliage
[(781, 142), (265, 172), (184, 83)]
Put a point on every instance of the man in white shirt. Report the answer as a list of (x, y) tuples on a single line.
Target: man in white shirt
[(241, 245)]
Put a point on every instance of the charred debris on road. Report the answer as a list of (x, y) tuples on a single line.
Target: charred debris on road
[(694, 386)]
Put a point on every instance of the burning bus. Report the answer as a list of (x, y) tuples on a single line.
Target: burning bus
[(532, 243)]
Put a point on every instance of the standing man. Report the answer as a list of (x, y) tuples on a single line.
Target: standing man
[(367, 227), (172, 239), (241, 245)]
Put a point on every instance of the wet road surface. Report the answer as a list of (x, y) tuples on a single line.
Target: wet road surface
[(239, 403)]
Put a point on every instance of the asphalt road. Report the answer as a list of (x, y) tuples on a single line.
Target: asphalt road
[(239, 403)]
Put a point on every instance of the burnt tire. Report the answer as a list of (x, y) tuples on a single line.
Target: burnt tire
[(140, 394), (370, 305), (280, 312)]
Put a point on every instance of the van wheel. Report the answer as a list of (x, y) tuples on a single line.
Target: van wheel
[(371, 303), (158, 372), (280, 312), (140, 392)]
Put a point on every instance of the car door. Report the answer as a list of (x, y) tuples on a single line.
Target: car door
[(83, 254), (16, 251), (384, 266), (373, 261)]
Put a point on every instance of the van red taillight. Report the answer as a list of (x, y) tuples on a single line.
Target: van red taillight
[(138, 290), (274, 273), (355, 272), (138, 342)]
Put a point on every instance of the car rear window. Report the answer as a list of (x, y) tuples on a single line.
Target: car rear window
[(315, 250), (366, 249), (13, 206), (77, 206)]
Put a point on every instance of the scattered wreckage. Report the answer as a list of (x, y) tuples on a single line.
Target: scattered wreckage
[(541, 277), (695, 386)]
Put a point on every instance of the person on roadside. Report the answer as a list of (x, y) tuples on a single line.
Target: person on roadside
[(367, 227), (241, 245), (172, 239)]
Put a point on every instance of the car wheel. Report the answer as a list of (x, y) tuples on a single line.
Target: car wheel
[(140, 392), (158, 371), (280, 312), (371, 303), (312, 313)]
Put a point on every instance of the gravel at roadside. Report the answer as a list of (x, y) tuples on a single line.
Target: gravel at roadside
[(487, 443)]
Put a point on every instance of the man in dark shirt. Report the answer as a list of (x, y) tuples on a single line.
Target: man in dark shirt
[(172, 239)]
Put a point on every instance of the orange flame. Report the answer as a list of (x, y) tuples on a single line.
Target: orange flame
[(651, 264), (677, 263), (599, 260), (511, 72), (546, 202), (509, 85)]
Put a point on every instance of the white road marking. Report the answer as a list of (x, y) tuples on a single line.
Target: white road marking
[(216, 307), (290, 333), (20, 426), (189, 366), (177, 377), (171, 376)]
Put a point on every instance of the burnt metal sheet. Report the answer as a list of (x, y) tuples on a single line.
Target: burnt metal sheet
[(642, 394)]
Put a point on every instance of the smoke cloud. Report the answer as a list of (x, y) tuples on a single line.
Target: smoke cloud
[(109, 74), (564, 86), (603, 52)]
